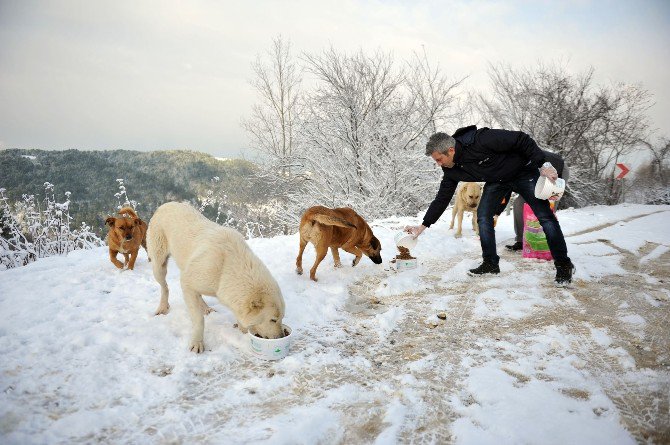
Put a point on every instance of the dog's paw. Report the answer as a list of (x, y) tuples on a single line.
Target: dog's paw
[(458, 235), (197, 346), (206, 310), (298, 270), (314, 278), (163, 310), (338, 265), (241, 328)]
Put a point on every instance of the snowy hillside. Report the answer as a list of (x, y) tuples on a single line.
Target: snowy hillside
[(517, 360)]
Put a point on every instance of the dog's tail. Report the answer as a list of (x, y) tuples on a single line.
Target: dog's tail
[(156, 244), (129, 212), (328, 217), (144, 242)]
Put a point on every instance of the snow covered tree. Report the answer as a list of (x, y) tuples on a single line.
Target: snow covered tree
[(591, 126), (30, 232), (364, 129), (273, 127), (122, 196), (354, 139), (56, 235), (217, 199), (53, 233), (84, 238), (15, 249), (250, 217), (652, 180), (273, 123), (660, 160)]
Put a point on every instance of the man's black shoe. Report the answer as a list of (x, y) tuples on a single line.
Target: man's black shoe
[(485, 267), (514, 247), (564, 271)]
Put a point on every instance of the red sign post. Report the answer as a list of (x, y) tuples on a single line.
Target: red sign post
[(624, 170)]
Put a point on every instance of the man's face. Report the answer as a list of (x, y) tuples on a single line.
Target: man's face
[(444, 160)]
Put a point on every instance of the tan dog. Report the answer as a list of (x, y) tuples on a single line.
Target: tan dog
[(126, 235), (216, 261), (467, 200), (336, 228)]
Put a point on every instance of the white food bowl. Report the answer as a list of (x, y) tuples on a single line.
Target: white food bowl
[(404, 239), (271, 348), (545, 189), (400, 265)]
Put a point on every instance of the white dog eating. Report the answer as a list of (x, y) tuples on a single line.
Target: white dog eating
[(214, 261)]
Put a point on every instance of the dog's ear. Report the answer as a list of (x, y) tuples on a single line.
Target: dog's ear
[(110, 221), (374, 243), (256, 305)]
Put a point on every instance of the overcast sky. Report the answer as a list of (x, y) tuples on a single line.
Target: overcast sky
[(147, 75)]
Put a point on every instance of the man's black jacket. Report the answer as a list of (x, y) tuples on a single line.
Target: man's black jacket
[(485, 155)]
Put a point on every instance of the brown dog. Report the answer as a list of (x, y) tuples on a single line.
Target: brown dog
[(126, 235), (336, 228), (467, 200)]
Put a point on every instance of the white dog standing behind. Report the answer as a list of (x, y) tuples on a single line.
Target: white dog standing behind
[(467, 198), (214, 261)]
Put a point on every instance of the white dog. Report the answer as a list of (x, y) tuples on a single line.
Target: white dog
[(216, 261), (467, 196)]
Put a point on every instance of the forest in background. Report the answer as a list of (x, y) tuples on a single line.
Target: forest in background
[(150, 179)]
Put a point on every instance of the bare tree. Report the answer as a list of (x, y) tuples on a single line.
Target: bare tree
[(272, 129), (651, 184), (365, 124), (660, 159), (591, 126), (272, 125)]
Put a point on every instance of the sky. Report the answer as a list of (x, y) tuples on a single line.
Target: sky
[(157, 75), (84, 359)]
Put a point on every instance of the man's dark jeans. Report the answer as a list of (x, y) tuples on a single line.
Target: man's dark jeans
[(524, 185)]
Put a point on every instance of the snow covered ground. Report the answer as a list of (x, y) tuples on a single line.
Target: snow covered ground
[(517, 360)]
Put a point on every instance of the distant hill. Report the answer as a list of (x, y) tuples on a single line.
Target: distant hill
[(150, 178)]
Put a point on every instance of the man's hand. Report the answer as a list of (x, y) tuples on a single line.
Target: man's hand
[(547, 170), (415, 230)]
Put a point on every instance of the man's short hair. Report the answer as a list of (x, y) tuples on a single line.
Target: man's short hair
[(440, 142)]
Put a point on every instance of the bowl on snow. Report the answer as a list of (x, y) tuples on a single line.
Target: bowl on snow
[(271, 348)]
